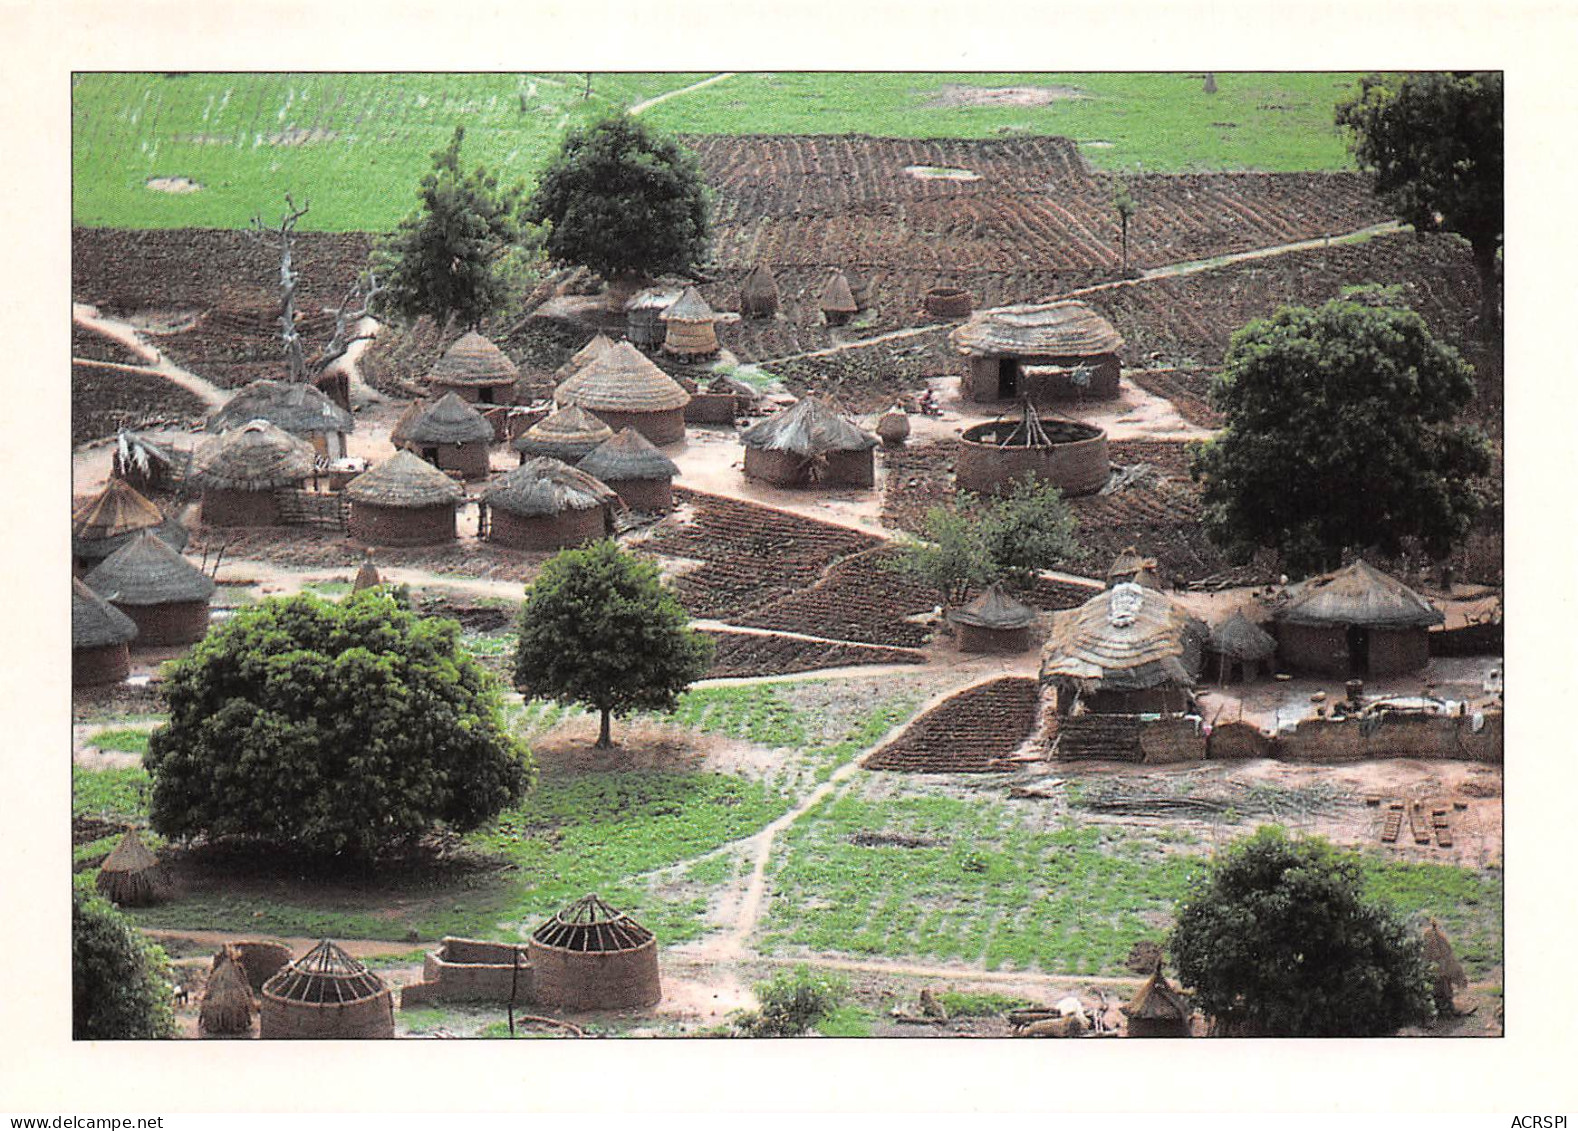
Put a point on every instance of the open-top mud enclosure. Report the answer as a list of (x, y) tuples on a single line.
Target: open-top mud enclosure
[(1068, 454)]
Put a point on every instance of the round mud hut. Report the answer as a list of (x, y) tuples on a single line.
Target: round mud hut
[(1354, 622), (100, 635), (112, 518), (809, 443), (131, 875), (1067, 454), (403, 501), (948, 302), (1128, 650), (1158, 1010), (689, 321), (1131, 565), (638, 473), (1242, 648), (326, 995), (227, 1006), (239, 472), (545, 504), (624, 389), (569, 434), (644, 315), (1055, 351), (759, 294), (475, 370), (994, 622), (291, 406), (165, 595), (449, 434), (590, 956), (837, 301)]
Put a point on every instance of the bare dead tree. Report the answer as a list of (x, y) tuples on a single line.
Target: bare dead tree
[(363, 290)]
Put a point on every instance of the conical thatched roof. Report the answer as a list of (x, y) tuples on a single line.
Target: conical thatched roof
[(1357, 594), (324, 975), (131, 875), (1058, 329), (584, 356), (1128, 638), (590, 925), (628, 455), (836, 295), (298, 408), (622, 379), (117, 510), (689, 307), (995, 609), (95, 623), (258, 456), (807, 428), (544, 486), (1439, 953), (448, 420), (1131, 565), (569, 434), (1242, 638), (227, 1005), (367, 576), (1157, 1001), (473, 360), (404, 480), (146, 571)]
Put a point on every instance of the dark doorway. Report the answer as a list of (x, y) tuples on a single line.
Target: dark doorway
[(431, 455), (1007, 379), (1358, 650), (485, 394)]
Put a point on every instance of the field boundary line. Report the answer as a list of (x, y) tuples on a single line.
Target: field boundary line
[(651, 102)]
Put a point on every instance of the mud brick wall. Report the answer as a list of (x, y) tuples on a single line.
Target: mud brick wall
[(546, 532), (1172, 740), (368, 1019), (374, 525), (178, 622), (625, 979), (1333, 740)]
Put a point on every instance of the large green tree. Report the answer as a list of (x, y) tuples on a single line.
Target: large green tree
[(599, 627), (1340, 433), (623, 201), (1434, 143), (342, 728), (119, 980), (455, 256), (1279, 940)]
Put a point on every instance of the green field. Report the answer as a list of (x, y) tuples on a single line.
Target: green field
[(356, 145)]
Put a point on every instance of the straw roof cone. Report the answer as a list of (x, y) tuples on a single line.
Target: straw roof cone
[(545, 486), (1158, 1001), (146, 571), (1131, 565), (1242, 638), (1357, 594), (1058, 329), (584, 356), (628, 455), (258, 456), (473, 360), (809, 427), (118, 509), (367, 576), (1439, 953), (404, 480), (689, 307), (1127, 638), (95, 623), (590, 925), (325, 975), (448, 420), (836, 296), (131, 874), (296, 407), (227, 1005), (569, 433), (994, 608), (622, 379), (759, 293)]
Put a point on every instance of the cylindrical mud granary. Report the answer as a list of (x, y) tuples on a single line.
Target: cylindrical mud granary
[(624, 389), (326, 995), (590, 956), (404, 501), (949, 302), (1069, 455), (994, 622)]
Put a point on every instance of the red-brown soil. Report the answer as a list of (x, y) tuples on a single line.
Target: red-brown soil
[(741, 654), (974, 732), (104, 399), (860, 598), (91, 346)]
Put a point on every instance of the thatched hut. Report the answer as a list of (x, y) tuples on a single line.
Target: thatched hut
[(1356, 621), (165, 595), (624, 389), (366, 575), (239, 471), (100, 634), (569, 434), (1047, 352), (131, 875), (581, 358), (837, 301), (809, 443), (1067, 454), (1131, 565), (545, 504), (403, 501), (759, 293), (291, 406), (1128, 650), (639, 474), (112, 518), (689, 321), (326, 995), (260, 960), (1242, 648), (1158, 1010), (1446, 972), (590, 956), (227, 1006), (449, 434), (859, 288), (644, 315), (994, 622), (475, 370)]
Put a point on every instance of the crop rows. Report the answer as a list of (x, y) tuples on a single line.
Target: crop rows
[(973, 732), (741, 654), (105, 399), (859, 598)]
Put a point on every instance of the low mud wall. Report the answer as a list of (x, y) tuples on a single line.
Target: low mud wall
[(1349, 740), (471, 970)]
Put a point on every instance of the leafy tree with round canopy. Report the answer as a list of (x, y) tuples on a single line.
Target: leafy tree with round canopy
[(1279, 940), (337, 729), (452, 257), (1340, 433), (119, 980), (599, 627), (1434, 143), (623, 201)]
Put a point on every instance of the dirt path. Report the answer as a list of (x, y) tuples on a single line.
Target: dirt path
[(639, 107), (89, 318)]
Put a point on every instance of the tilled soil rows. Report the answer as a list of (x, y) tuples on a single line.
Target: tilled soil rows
[(974, 732), (91, 346), (860, 598), (104, 399), (742, 655)]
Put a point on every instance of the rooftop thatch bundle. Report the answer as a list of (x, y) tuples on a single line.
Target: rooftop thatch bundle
[(567, 434), (622, 379), (325, 975), (95, 623), (227, 1005), (258, 456), (807, 428), (590, 925), (689, 307), (1242, 639), (1358, 594), (759, 294), (1439, 953), (628, 455), (404, 480), (1127, 638), (1058, 329), (584, 356), (131, 875), (298, 408), (544, 486), (836, 296), (1158, 1001), (473, 360), (995, 609), (146, 571), (448, 420)]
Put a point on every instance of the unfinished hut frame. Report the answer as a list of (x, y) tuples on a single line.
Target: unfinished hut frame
[(591, 956), (326, 995)]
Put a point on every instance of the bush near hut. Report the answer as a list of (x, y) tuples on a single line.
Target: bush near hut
[(793, 1002), (119, 980), (342, 728)]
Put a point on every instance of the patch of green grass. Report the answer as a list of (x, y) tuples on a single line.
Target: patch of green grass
[(1467, 903), (848, 1019), (753, 712), (385, 961), (493, 645), (125, 740), (959, 1004), (120, 792), (328, 588)]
